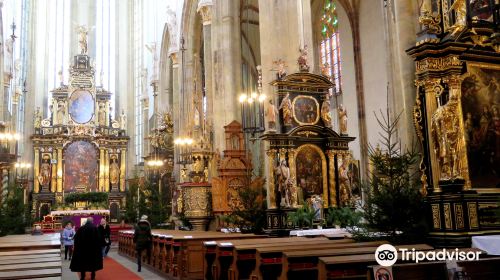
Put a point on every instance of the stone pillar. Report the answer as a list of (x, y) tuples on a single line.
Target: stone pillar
[(205, 10)]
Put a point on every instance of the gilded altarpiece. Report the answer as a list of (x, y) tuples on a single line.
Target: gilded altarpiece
[(78, 147), (456, 116), (307, 160)]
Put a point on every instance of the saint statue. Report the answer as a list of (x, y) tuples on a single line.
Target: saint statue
[(37, 118), (45, 174), (325, 113), (281, 72), (101, 115), (302, 60), (460, 16), (284, 183), (445, 132), (61, 112), (123, 120), (286, 106), (343, 119), (114, 172), (82, 38), (271, 114)]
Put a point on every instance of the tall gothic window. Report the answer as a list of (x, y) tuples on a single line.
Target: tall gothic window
[(330, 45)]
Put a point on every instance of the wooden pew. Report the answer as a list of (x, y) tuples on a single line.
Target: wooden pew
[(31, 274), (245, 256), (30, 266), (355, 266), (30, 259), (224, 251), (30, 252), (29, 245), (187, 253), (297, 264)]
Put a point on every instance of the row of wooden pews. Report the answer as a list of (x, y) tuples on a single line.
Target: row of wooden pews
[(30, 257), (176, 254)]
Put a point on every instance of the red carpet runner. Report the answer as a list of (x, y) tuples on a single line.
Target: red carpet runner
[(114, 270)]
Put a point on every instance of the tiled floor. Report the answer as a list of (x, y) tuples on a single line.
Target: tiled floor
[(145, 273)]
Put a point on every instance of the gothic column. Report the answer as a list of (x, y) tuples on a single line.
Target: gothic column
[(205, 10)]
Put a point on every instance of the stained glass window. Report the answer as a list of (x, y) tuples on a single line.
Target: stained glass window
[(330, 45)]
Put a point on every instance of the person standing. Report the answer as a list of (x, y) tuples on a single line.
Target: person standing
[(105, 234), (143, 239), (87, 252), (68, 235)]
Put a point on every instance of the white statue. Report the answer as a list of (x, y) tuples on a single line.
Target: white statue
[(284, 183), (82, 40), (37, 122), (152, 49), (123, 120), (61, 112), (101, 115), (271, 114), (343, 119)]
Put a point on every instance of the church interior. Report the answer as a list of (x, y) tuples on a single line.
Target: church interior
[(237, 128)]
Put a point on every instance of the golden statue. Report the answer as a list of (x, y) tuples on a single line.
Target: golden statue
[(445, 134), (286, 105), (114, 172), (460, 16), (325, 113), (45, 171)]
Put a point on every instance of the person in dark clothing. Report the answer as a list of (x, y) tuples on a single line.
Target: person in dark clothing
[(105, 233), (87, 254), (143, 239)]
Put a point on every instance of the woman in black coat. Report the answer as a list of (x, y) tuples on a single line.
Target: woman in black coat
[(105, 233), (87, 255)]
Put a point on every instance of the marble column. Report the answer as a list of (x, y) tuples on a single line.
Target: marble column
[(59, 170), (122, 169), (36, 170)]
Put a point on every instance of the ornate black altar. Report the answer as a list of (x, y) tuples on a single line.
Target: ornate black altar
[(306, 158), (457, 117)]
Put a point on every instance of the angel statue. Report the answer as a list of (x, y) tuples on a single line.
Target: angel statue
[(286, 105), (460, 16), (280, 64), (82, 40), (325, 113)]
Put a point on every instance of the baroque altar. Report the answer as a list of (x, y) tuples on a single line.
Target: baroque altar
[(306, 158), (457, 117), (78, 147)]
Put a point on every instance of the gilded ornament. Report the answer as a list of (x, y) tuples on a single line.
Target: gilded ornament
[(436, 216), (447, 216), (459, 216), (473, 222)]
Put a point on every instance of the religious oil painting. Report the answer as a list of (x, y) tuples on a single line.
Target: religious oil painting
[(80, 167), (309, 164), (305, 110), (81, 106), (481, 112)]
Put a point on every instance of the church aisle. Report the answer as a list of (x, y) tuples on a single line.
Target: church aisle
[(115, 267)]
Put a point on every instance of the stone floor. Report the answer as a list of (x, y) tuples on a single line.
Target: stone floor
[(113, 253)]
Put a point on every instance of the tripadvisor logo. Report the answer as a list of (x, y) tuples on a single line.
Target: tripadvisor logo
[(387, 255)]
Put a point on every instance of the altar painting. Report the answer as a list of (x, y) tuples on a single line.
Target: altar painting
[(80, 167), (81, 106), (305, 110), (481, 113), (311, 176)]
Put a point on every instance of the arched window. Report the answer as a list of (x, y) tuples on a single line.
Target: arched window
[(330, 45)]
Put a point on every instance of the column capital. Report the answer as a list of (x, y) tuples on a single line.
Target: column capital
[(175, 58), (205, 10)]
